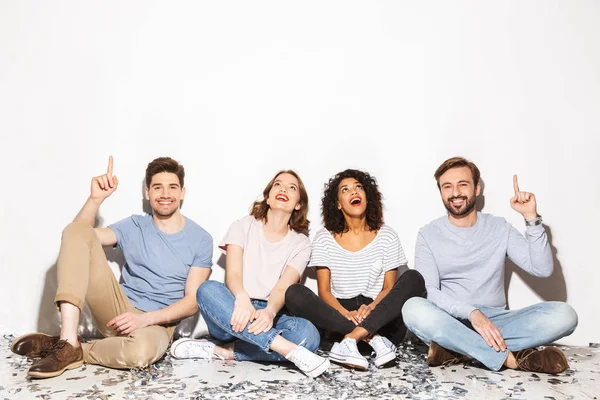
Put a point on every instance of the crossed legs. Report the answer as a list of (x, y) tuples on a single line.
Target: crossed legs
[(521, 329)]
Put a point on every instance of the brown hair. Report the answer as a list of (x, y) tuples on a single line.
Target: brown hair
[(298, 221), (164, 164), (457, 162)]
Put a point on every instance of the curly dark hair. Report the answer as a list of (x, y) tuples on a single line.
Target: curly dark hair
[(333, 218)]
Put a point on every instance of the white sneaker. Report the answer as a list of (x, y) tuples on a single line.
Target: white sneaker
[(385, 351), (308, 362), (194, 348), (347, 353)]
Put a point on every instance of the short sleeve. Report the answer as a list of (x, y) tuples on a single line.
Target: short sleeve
[(319, 256), (393, 256), (123, 230), (300, 260), (235, 235), (203, 257)]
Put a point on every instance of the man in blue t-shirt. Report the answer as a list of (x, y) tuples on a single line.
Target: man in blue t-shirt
[(462, 257), (167, 257)]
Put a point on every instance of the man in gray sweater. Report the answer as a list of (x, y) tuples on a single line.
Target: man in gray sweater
[(462, 258)]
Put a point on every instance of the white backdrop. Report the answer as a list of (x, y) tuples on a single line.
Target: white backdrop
[(239, 90)]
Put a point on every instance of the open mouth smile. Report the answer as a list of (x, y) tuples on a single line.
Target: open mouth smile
[(165, 202), (457, 201), (282, 197), (355, 201)]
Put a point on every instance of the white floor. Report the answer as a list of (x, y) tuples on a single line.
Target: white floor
[(408, 378)]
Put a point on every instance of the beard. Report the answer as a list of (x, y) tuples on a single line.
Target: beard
[(468, 206)]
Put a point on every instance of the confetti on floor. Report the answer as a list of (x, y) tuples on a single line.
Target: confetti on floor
[(408, 377)]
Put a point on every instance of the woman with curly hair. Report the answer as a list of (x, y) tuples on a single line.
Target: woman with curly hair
[(358, 259), (266, 252)]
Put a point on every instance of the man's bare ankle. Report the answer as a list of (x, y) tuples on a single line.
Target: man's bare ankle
[(73, 341), (511, 361)]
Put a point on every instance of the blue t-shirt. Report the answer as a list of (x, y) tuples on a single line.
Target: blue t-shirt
[(157, 264)]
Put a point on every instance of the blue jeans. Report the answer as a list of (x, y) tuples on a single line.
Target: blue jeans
[(216, 305), (521, 329)]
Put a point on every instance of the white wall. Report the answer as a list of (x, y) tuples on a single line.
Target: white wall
[(238, 90)]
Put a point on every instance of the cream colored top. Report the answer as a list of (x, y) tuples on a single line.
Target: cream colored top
[(264, 261)]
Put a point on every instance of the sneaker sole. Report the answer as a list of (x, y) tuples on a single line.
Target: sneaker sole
[(36, 374), (384, 359), (319, 370), (16, 341), (349, 361)]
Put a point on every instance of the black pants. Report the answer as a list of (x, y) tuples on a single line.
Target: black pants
[(385, 319)]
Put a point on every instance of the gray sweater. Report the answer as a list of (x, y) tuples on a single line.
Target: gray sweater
[(464, 267)]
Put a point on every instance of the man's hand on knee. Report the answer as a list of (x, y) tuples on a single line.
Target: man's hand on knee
[(129, 322), (488, 331)]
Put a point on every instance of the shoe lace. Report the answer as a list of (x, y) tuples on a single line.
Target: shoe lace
[(209, 349), (456, 359), (452, 361), (301, 363), (60, 344), (302, 360), (376, 340), (349, 347), (380, 343), (524, 359)]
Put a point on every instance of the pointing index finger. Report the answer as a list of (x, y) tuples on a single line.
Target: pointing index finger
[(516, 184), (109, 171)]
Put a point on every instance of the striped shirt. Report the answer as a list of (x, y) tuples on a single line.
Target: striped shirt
[(360, 272)]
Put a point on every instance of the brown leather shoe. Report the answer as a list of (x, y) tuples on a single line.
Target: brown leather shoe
[(60, 357), (440, 356), (549, 360), (32, 344)]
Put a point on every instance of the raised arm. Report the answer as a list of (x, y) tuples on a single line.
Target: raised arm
[(532, 253), (523, 202), (102, 186)]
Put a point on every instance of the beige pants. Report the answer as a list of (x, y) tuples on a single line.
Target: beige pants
[(84, 275)]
